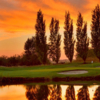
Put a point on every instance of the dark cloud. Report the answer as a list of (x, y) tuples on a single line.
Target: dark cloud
[(78, 4), (40, 3), (9, 5)]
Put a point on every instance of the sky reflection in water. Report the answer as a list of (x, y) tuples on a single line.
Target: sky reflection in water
[(50, 92)]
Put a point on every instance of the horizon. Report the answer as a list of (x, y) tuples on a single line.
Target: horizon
[(18, 19)]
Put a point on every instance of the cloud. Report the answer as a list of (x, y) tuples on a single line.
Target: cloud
[(76, 3), (20, 15), (9, 4), (5, 17)]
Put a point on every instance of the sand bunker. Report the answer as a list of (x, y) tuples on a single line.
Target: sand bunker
[(74, 72)]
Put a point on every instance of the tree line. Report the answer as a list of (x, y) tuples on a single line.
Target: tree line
[(38, 51)]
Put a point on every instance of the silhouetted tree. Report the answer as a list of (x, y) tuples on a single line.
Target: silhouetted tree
[(95, 31), (3, 61), (70, 93), (41, 45), (29, 46), (13, 61), (82, 41), (31, 56), (97, 94), (83, 93), (30, 60), (55, 41), (68, 37)]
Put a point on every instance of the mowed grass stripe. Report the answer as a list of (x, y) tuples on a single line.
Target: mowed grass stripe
[(49, 70)]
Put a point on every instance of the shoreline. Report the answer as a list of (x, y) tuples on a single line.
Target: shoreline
[(21, 80)]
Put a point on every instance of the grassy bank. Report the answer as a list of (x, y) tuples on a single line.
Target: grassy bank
[(49, 71)]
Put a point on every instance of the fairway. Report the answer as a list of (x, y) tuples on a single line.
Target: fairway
[(49, 71)]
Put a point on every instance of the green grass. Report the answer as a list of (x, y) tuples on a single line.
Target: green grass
[(49, 71)]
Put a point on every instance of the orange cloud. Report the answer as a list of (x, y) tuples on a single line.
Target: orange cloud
[(18, 18)]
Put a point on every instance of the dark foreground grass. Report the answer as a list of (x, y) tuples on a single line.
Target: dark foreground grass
[(49, 71)]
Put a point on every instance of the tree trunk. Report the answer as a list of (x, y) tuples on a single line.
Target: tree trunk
[(70, 61), (56, 62), (84, 61)]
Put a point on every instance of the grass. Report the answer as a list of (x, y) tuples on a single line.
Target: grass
[(49, 71)]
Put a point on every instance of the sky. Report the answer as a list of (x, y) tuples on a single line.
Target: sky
[(18, 19)]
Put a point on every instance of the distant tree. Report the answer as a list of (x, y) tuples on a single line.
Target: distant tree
[(13, 61), (68, 37), (83, 93), (55, 41), (97, 94), (41, 43), (82, 41), (95, 31), (3, 61), (70, 93)]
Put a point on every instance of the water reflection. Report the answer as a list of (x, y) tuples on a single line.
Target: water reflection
[(50, 92), (70, 93), (31, 92), (43, 92), (55, 92), (97, 94), (83, 93), (37, 92)]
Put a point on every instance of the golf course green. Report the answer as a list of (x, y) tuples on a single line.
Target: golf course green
[(50, 71)]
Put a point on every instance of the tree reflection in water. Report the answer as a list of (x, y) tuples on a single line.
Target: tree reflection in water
[(97, 94), (70, 93), (55, 92), (43, 92), (31, 92), (37, 92), (83, 93)]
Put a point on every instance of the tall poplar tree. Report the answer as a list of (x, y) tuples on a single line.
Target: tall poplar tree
[(41, 43), (55, 41), (82, 40), (68, 37), (95, 31)]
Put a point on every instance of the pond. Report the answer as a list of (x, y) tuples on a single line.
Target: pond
[(50, 92)]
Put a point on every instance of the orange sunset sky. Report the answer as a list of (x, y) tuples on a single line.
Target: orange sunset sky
[(18, 18)]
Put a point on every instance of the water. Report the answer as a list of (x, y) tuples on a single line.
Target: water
[(50, 92)]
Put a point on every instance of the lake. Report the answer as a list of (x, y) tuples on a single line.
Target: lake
[(50, 92)]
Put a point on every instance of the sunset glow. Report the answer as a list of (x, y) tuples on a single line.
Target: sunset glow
[(18, 18), (15, 92)]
